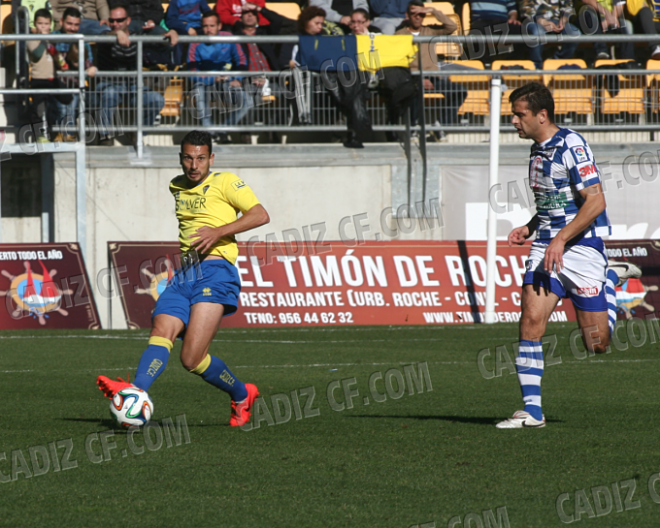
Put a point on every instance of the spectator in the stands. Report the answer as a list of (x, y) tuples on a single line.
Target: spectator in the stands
[(644, 20), (94, 14), (146, 15), (310, 22), (339, 11), (44, 61), (67, 113), (360, 23), (261, 56), (185, 16), (598, 17), (497, 18), (454, 93), (214, 57), (122, 56), (549, 16), (230, 11), (389, 14)]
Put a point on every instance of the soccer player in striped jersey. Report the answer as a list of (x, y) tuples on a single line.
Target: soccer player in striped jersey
[(207, 286), (567, 257)]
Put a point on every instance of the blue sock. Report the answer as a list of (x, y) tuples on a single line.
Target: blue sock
[(529, 364), (610, 295), (153, 362), (214, 371)]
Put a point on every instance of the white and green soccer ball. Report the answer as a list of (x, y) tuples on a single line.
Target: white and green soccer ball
[(131, 407)]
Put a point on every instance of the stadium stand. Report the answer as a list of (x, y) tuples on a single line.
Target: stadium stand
[(629, 97), (513, 81), (477, 101), (573, 93)]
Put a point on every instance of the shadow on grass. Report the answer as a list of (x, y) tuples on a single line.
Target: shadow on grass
[(460, 419), (111, 424), (105, 422)]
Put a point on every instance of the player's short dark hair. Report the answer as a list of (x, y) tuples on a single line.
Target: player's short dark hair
[(210, 13), (416, 3), (71, 12), (538, 98), (43, 13), (198, 138), (119, 4), (308, 14), (363, 12)]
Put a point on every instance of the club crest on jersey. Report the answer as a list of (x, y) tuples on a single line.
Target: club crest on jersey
[(580, 154), (239, 184), (206, 188), (536, 171)]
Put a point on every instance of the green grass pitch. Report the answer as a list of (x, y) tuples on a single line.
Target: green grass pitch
[(433, 456)]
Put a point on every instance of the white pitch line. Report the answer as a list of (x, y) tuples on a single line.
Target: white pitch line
[(129, 338)]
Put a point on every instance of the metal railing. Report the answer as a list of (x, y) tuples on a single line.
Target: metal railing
[(589, 99)]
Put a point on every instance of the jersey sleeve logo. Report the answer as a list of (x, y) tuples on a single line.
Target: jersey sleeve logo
[(586, 170), (580, 154), (238, 184)]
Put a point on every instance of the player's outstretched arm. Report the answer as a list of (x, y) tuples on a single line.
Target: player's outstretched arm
[(207, 237), (520, 234), (594, 204)]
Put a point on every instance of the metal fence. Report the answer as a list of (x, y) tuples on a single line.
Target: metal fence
[(456, 98)]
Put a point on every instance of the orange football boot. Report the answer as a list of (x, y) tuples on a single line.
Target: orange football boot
[(110, 387), (241, 411)]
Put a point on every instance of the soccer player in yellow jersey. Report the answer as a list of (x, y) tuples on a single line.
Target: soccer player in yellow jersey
[(207, 286)]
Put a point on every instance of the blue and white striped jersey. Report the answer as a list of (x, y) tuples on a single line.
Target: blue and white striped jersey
[(559, 168)]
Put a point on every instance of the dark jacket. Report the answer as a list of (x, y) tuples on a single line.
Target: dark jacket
[(276, 20), (144, 10)]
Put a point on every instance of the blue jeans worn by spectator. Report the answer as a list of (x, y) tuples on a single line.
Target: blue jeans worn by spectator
[(67, 115), (92, 27), (113, 93), (536, 52), (234, 100)]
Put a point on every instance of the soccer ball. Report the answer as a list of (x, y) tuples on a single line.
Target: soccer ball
[(131, 407)]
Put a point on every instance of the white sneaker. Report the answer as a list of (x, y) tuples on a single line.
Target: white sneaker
[(519, 420), (625, 271), (655, 54)]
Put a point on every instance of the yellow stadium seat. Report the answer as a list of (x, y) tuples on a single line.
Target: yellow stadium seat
[(630, 98), (466, 18), (514, 81), (6, 22), (653, 83), (447, 49), (477, 101), (445, 7), (173, 98), (572, 92), (287, 9)]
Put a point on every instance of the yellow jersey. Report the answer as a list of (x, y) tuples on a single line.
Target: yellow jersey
[(214, 202)]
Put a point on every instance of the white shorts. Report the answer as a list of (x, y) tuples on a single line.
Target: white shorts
[(582, 278)]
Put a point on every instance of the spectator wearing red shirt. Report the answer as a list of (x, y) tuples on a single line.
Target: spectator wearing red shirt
[(230, 11)]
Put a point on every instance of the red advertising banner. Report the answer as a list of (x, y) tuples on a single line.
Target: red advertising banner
[(373, 283), (45, 286), (639, 298), (378, 283), (142, 270)]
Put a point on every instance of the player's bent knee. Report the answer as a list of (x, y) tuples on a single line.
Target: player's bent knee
[(194, 365)]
